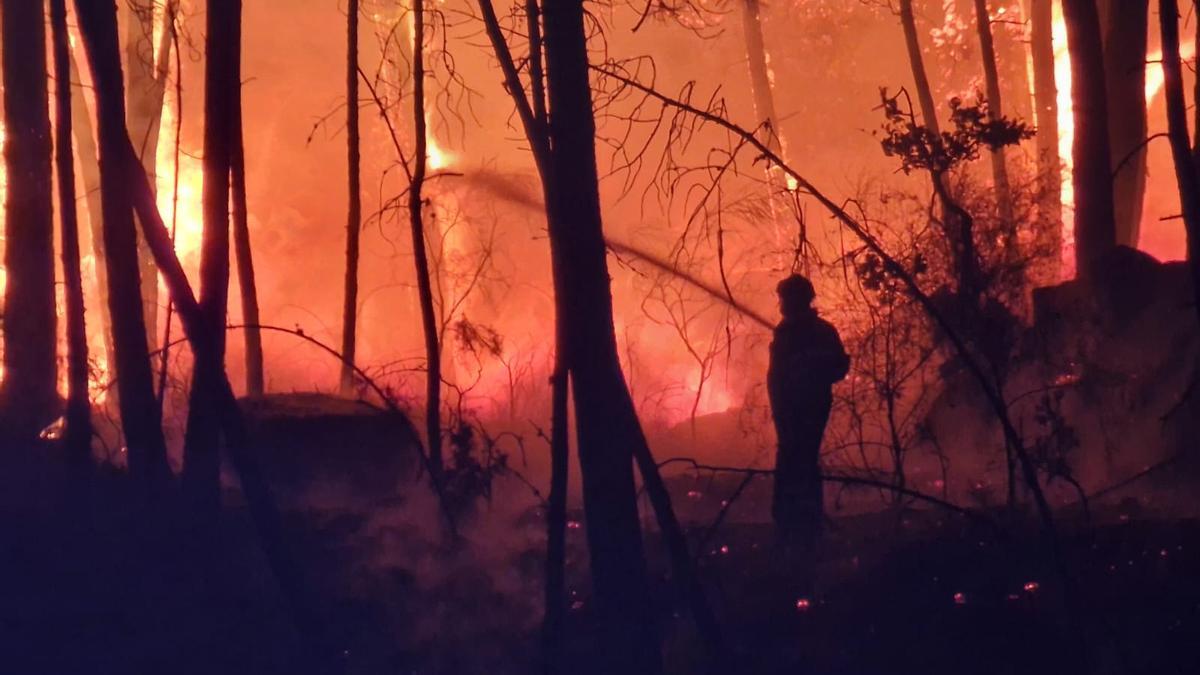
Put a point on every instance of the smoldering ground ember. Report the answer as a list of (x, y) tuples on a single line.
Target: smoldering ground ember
[(433, 336)]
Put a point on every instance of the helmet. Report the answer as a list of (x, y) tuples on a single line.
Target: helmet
[(796, 290)]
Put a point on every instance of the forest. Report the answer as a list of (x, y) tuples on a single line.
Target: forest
[(355, 337)]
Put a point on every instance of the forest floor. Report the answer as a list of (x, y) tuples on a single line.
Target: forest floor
[(109, 588)]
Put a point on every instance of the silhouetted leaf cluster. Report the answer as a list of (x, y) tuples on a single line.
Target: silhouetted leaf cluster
[(919, 147)]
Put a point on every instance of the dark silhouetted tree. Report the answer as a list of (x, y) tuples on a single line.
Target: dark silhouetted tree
[(28, 398), (79, 418), (429, 325), (991, 76), (201, 459), (1185, 167), (1125, 26), (1095, 224), (140, 416), (243, 253), (354, 206)]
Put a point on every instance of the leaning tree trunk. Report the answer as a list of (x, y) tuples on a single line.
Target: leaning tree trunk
[(1045, 99), (79, 417), (354, 206), (241, 225), (28, 399), (1177, 131), (991, 76), (1125, 84), (144, 103), (606, 423), (433, 374), (140, 417), (201, 461), (1095, 223)]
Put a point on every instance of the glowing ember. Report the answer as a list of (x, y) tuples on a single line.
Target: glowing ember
[(1031, 586), (803, 605), (960, 598)]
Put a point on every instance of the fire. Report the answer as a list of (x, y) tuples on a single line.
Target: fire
[(1066, 123), (185, 216), (1066, 138)]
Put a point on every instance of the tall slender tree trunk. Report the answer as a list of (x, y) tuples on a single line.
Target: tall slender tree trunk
[(89, 176), (769, 130), (201, 442), (79, 409), (140, 417), (429, 325), (957, 224), (28, 399), (1045, 99), (143, 115), (354, 207), (243, 253), (1095, 224), (1126, 23), (607, 426), (1177, 131), (912, 42), (554, 617), (991, 76)]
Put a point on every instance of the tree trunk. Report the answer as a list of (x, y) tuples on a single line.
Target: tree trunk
[(243, 253), (1177, 131), (554, 617), (201, 461), (991, 76), (28, 397), (140, 415), (79, 409), (433, 377), (1125, 84), (143, 115), (1095, 224), (912, 42), (89, 169), (607, 426), (354, 207), (98, 26), (1045, 98)]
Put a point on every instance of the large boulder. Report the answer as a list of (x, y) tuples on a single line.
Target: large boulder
[(314, 446)]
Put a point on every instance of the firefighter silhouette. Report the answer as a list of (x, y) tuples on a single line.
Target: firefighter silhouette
[(807, 358)]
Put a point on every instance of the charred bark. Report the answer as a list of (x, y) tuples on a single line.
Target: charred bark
[(201, 461), (1045, 98), (354, 206), (991, 76), (78, 419), (140, 415), (28, 398), (1095, 221), (1126, 24), (1177, 132), (243, 253)]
